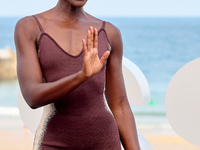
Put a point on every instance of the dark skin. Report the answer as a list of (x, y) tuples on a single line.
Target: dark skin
[(67, 21)]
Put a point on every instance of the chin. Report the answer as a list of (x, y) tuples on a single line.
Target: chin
[(77, 3)]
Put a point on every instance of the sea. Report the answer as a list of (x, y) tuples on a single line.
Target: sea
[(158, 46)]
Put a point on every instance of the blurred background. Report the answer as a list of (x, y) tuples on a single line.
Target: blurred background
[(158, 36)]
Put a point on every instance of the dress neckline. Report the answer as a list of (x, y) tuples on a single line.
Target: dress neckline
[(58, 45)]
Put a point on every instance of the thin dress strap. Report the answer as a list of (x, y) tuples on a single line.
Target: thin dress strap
[(40, 26), (103, 26)]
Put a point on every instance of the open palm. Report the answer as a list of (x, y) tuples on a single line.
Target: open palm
[(92, 64)]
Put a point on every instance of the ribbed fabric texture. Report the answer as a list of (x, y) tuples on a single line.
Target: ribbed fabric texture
[(79, 120)]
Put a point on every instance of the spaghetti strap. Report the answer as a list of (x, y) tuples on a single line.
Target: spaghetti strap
[(103, 25), (40, 26)]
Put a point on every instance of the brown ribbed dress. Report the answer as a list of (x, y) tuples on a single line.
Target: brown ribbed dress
[(79, 120)]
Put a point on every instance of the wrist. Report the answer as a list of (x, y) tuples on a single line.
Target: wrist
[(83, 76)]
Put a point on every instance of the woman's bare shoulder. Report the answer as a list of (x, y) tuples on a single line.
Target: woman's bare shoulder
[(26, 22), (113, 33), (26, 26)]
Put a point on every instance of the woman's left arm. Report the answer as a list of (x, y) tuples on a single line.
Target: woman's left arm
[(115, 91)]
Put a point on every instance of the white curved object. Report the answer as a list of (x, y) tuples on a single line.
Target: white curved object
[(182, 102), (137, 87), (30, 117)]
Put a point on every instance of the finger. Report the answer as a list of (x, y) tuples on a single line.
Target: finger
[(104, 57), (92, 35), (95, 43), (89, 40), (84, 47)]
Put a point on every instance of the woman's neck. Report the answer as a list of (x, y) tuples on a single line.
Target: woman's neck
[(69, 12)]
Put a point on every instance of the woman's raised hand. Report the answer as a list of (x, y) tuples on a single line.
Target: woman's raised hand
[(91, 63)]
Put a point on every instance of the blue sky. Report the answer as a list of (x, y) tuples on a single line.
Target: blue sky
[(102, 8)]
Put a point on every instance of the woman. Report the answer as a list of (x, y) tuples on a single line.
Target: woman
[(54, 72)]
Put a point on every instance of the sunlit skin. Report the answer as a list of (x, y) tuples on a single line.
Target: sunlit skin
[(68, 21)]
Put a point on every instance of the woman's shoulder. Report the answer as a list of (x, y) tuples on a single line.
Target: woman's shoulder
[(27, 26), (111, 30), (30, 23), (113, 33), (26, 22)]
